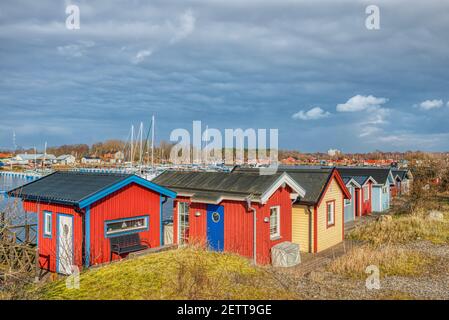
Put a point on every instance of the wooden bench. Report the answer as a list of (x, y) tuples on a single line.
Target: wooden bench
[(126, 244)]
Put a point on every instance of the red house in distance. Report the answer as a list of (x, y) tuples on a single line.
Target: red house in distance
[(92, 218)]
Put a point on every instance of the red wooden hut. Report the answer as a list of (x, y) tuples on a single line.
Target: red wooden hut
[(363, 190), (245, 213), (92, 218)]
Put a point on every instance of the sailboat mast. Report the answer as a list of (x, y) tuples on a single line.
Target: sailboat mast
[(132, 144), (45, 155), (141, 145), (204, 151), (35, 158), (152, 142)]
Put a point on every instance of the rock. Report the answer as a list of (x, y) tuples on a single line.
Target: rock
[(285, 254), (435, 215)]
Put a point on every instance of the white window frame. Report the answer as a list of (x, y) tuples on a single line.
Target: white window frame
[(183, 204), (127, 230), (48, 224), (332, 221), (365, 193), (277, 234)]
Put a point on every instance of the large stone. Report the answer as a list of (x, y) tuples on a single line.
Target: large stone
[(435, 215), (285, 254)]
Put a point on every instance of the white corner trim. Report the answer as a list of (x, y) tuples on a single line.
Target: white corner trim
[(352, 181), (372, 180), (284, 178)]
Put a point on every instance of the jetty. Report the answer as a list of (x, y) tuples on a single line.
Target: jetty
[(29, 176)]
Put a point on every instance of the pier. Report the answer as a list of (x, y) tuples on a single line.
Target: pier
[(28, 176), (101, 170)]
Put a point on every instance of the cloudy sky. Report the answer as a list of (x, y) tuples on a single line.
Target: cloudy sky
[(309, 68)]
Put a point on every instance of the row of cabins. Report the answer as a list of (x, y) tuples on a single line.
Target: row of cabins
[(86, 219)]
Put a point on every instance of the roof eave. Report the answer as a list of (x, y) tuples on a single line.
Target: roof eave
[(117, 186)]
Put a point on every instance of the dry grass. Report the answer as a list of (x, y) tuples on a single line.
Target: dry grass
[(402, 229), (188, 273), (397, 295), (390, 261), (15, 288)]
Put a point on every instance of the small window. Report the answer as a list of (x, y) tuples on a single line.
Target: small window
[(275, 222), (365, 193), (183, 223), (330, 213), (47, 224), (129, 225)]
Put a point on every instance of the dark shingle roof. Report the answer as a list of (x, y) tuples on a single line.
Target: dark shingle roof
[(67, 187), (401, 173), (312, 179), (213, 185), (378, 174)]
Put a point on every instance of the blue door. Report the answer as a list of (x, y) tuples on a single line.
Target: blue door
[(215, 227)]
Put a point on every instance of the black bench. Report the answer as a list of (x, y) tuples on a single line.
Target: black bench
[(126, 244)]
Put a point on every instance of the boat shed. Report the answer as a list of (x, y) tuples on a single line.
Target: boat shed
[(318, 217), (92, 218), (245, 213), (380, 196)]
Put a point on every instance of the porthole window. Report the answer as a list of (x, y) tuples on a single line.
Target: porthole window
[(215, 217)]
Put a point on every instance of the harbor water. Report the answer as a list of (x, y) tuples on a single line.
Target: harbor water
[(12, 207)]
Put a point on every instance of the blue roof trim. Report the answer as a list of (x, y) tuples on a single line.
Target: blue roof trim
[(132, 179), (87, 236)]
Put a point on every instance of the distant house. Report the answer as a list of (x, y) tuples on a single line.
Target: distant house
[(90, 160), (119, 156), (403, 180), (383, 179), (360, 188), (289, 160), (66, 159), (241, 212), (26, 158), (76, 226), (6, 155)]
